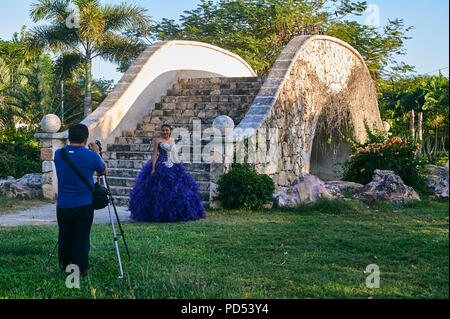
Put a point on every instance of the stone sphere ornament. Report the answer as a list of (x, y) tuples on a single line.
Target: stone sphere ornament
[(224, 124), (51, 123), (386, 126)]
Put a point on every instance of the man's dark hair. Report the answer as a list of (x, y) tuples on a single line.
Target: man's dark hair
[(78, 133)]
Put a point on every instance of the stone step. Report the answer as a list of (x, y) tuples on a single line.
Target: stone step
[(121, 181), (123, 172), (132, 140), (129, 164), (134, 156), (130, 181), (194, 107), (215, 86), (130, 147), (172, 101), (138, 164), (154, 134), (127, 156), (211, 91), (214, 80), (133, 173), (168, 108)]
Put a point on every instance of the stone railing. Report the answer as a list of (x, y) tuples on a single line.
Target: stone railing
[(157, 68), (312, 76)]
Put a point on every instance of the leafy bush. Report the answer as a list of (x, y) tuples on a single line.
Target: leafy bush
[(396, 154), (242, 187), (19, 153)]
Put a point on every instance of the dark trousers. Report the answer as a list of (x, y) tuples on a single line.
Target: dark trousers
[(74, 229)]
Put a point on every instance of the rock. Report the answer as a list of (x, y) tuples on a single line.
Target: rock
[(438, 181), (342, 189), (29, 186), (387, 186), (310, 188), (287, 197)]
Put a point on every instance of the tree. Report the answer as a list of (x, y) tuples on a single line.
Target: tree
[(34, 95), (103, 31), (426, 96), (15, 57), (258, 30)]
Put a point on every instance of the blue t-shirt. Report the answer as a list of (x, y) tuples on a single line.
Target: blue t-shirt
[(72, 192)]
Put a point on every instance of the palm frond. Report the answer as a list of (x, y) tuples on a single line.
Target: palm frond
[(120, 49), (131, 17), (55, 10)]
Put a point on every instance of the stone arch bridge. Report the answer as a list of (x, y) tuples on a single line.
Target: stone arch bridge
[(318, 92)]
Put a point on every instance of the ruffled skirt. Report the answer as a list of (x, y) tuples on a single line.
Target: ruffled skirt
[(168, 195)]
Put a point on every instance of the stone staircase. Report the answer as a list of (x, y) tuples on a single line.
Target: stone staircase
[(200, 99)]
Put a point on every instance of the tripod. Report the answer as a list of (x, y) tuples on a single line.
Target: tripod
[(115, 236)]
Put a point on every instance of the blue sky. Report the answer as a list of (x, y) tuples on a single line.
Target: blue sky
[(428, 50)]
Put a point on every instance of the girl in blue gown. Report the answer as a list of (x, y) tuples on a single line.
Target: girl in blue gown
[(163, 191)]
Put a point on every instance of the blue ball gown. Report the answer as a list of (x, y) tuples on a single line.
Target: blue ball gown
[(168, 195)]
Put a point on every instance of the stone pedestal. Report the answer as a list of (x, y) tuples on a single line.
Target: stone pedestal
[(50, 142)]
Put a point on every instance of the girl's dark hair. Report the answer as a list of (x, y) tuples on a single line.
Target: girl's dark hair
[(166, 125)]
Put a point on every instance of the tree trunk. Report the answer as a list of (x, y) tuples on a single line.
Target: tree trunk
[(419, 130), (411, 124), (419, 125), (88, 86)]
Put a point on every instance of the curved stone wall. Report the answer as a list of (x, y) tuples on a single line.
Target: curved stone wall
[(154, 71), (312, 77)]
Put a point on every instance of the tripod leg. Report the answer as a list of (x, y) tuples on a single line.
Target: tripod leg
[(122, 234), (115, 235), (52, 254), (111, 199)]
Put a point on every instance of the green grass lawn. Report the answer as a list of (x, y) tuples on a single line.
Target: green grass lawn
[(317, 251)]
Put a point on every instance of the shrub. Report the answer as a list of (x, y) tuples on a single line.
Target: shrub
[(242, 187), (19, 153), (396, 154)]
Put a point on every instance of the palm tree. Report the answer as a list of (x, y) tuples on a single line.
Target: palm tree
[(33, 96), (97, 31)]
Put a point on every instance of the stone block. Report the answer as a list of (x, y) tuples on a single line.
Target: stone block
[(48, 192), (46, 154), (47, 166), (46, 143), (47, 178)]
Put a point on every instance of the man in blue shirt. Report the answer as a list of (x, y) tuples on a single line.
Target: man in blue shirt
[(75, 211)]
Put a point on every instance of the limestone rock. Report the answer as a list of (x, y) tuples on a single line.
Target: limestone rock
[(342, 189), (310, 188), (306, 189), (29, 186), (438, 181), (387, 186), (287, 197)]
